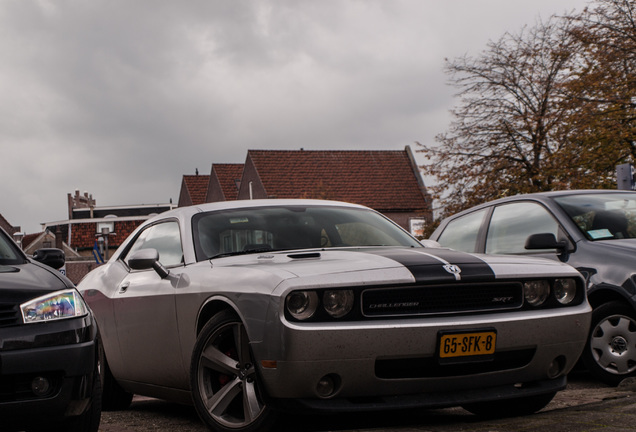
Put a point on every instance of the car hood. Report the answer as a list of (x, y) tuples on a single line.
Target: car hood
[(616, 245), (31, 278), (388, 264)]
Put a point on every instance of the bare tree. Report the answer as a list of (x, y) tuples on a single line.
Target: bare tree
[(507, 128)]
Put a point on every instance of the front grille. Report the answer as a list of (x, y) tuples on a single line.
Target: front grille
[(430, 367), (9, 314), (442, 299), (10, 301)]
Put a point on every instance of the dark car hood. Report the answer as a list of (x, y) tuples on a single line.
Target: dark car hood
[(31, 277), (621, 246)]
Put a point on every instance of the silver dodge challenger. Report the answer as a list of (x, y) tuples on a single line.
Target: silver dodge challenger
[(250, 308)]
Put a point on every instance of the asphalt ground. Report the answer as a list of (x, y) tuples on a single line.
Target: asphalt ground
[(585, 406)]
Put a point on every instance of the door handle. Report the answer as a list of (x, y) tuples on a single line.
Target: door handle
[(123, 287)]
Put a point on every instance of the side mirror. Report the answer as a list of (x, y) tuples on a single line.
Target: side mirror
[(545, 241), (145, 259), (51, 257)]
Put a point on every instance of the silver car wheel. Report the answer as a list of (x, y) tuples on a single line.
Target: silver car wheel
[(613, 344), (225, 383)]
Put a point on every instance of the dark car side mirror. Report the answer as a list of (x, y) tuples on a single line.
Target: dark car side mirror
[(545, 241), (51, 257), (145, 259)]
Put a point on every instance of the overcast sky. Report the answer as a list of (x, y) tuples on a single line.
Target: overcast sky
[(122, 98)]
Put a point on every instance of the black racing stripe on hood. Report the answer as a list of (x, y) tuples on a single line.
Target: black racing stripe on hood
[(428, 265)]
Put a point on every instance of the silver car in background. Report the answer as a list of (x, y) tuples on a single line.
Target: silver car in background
[(250, 308)]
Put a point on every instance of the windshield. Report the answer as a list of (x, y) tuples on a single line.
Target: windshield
[(602, 216), (236, 231), (9, 254)]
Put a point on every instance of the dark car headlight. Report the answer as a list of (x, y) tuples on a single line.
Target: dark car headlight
[(536, 292), (54, 306), (338, 303), (303, 305), (552, 293), (565, 290)]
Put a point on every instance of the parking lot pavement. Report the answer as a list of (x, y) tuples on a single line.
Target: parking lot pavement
[(584, 407)]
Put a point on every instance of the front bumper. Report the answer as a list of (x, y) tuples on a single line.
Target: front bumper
[(397, 360), (29, 354), (438, 399)]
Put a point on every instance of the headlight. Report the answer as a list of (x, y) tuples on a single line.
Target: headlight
[(565, 290), (54, 306), (536, 292), (338, 303), (302, 304)]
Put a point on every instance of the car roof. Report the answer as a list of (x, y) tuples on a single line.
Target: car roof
[(239, 204), (540, 196)]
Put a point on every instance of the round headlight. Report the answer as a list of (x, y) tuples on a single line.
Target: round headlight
[(536, 292), (565, 290), (302, 304), (338, 303)]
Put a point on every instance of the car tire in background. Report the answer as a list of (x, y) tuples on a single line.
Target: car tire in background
[(224, 380), (610, 352)]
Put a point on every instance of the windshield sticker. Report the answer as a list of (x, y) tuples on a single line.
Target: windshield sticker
[(600, 234), (239, 220)]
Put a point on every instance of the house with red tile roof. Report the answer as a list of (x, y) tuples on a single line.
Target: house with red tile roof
[(385, 180), (5, 225), (225, 181), (193, 189)]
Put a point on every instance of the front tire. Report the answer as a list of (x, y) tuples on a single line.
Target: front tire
[(610, 352), (224, 380)]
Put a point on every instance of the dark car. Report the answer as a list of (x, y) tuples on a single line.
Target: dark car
[(49, 351), (592, 230)]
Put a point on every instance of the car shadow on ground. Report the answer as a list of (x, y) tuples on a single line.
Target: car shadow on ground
[(147, 414)]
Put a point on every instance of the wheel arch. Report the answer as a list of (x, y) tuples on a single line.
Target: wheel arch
[(605, 293), (213, 306)]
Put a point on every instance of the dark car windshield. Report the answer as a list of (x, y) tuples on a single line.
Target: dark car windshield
[(9, 253), (602, 216), (248, 230)]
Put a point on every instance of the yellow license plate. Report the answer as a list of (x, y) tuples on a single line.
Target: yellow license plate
[(467, 344)]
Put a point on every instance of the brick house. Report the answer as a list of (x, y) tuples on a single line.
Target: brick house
[(225, 181), (193, 189), (387, 181)]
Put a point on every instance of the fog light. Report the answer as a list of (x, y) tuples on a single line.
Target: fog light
[(40, 386), (328, 385), (556, 367)]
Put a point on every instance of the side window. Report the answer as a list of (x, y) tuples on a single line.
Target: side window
[(511, 224), (461, 234), (165, 238)]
